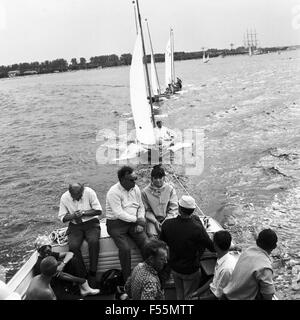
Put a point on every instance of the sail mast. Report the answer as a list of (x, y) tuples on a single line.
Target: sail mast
[(172, 56), (145, 62), (153, 56)]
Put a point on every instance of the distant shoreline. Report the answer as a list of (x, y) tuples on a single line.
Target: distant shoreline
[(106, 61)]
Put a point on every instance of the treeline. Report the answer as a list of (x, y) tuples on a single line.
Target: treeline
[(62, 65), (105, 61)]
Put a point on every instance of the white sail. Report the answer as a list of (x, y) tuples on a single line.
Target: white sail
[(250, 51), (141, 109), (168, 64), (154, 82)]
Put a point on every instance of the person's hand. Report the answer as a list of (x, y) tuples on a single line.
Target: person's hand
[(139, 229), (60, 267), (193, 296), (141, 222), (78, 214), (158, 226)]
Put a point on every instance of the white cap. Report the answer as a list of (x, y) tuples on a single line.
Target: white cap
[(6, 293), (187, 202)]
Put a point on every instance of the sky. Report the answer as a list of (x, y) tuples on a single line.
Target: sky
[(39, 30)]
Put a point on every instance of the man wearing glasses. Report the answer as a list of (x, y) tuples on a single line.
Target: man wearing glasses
[(125, 216)]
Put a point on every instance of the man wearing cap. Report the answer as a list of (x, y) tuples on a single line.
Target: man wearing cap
[(80, 207), (187, 239), (252, 277), (160, 201), (69, 271)]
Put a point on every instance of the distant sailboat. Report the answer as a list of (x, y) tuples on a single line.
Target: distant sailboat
[(156, 91), (250, 51), (205, 59), (171, 85)]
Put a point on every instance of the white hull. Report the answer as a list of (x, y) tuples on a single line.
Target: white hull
[(108, 258)]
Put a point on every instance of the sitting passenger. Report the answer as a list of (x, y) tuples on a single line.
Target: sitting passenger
[(160, 201), (80, 207), (252, 277), (125, 217), (144, 282), (39, 287), (68, 271), (213, 289)]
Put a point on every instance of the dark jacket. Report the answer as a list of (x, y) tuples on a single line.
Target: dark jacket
[(187, 240)]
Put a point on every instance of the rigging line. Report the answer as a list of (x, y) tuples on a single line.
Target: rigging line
[(183, 187)]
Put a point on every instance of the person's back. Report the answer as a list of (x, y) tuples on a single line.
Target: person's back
[(252, 275), (39, 290), (187, 241), (39, 287)]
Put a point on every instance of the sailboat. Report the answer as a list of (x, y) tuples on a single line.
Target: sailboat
[(205, 59), (155, 86), (250, 51), (172, 86)]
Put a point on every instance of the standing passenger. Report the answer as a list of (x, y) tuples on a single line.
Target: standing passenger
[(160, 201), (125, 214), (81, 208), (187, 240)]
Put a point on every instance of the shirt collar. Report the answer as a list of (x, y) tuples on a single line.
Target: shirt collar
[(263, 251), (222, 259), (150, 269), (123, 189)]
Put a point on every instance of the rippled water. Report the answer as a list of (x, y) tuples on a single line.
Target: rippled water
[(249, 108)]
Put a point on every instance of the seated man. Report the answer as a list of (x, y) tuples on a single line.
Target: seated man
[(125, 216), (144, 282), (39, 287), (213, 289), (252, 277), (69, 271), (80, 207), (160, 201)]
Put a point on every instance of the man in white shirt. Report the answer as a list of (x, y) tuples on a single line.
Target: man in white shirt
[(163, 134), (213, 289), (81, 208), (125, 216)]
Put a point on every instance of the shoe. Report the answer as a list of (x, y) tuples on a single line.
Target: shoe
[(86, 290), (92, 281)]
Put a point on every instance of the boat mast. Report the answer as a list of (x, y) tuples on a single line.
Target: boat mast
[(153, 56), (136, 26), (172, 55), (145, 62)]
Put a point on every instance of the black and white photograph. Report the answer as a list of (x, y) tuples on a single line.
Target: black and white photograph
[(149, 150)]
